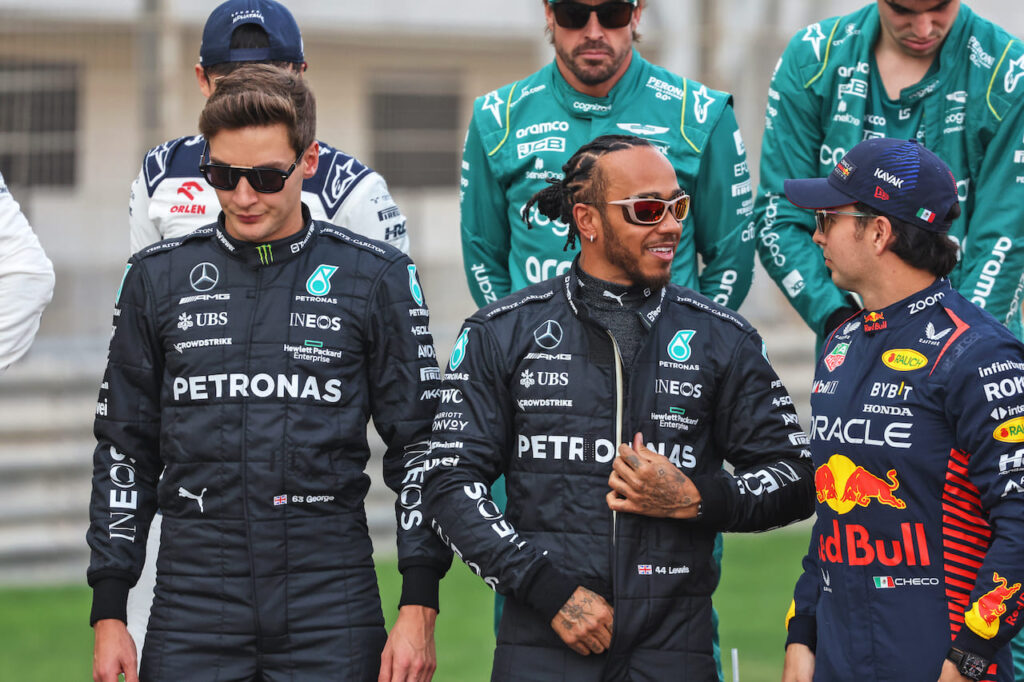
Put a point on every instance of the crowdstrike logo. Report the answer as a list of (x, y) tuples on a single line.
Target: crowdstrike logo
[(203, 276)]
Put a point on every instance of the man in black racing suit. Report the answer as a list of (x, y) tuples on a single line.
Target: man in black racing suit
[(544, 385), (245, 361)]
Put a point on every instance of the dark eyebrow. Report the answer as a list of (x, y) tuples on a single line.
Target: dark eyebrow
[(900, 9)]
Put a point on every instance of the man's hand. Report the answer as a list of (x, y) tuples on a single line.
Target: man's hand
[(951, 674), (585, 622), (799, 665), (644, 482), (114, 652), (409, 655)]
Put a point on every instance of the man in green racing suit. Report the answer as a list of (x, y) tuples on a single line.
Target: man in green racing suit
[(929, 70), (521, 134)]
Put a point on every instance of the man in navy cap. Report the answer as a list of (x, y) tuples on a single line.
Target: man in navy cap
[(916, 431), (170, 198)]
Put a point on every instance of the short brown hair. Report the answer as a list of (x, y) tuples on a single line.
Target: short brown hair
[(262, 95)]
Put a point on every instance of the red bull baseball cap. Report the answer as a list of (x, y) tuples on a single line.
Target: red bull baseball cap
[(271, 16), (898, 178)]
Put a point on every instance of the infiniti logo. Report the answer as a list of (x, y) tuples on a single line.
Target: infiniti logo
[(204, 276), (548, 335)]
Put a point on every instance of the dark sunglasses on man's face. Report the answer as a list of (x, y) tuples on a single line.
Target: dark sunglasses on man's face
[(261, 179), (575, 15)]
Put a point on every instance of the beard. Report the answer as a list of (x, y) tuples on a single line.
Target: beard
[(618, 255), (585, 70)]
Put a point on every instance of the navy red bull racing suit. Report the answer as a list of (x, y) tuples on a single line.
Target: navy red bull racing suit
[(917, 437)]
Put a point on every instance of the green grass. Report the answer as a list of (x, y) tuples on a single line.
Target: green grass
[(44, 636)]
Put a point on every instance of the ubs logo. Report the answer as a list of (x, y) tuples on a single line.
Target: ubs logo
[(204, 276)]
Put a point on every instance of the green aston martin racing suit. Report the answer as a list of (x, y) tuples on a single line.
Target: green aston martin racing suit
[(826, 96), (521, 134)]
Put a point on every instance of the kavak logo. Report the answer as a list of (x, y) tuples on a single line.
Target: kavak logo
[(204, 276)]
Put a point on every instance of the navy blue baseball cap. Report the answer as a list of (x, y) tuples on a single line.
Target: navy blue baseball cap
[(273, 17), (898, 178)]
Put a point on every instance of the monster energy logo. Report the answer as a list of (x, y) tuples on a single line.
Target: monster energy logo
[(266, 253)]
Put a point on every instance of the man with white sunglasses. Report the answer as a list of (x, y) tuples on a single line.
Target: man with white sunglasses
[(599, 84), (546, 385)]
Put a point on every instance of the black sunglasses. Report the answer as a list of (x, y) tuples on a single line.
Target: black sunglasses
[(575, 15), (263, 180)]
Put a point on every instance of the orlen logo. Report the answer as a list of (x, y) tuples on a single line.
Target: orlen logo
[(903, 359), (843, 485), (1011, 431), (983, 618)]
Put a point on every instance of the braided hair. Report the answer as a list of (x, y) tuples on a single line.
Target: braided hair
[(581, 183)]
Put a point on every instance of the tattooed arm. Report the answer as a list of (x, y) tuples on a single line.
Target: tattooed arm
[(644, 482), (584, 622)]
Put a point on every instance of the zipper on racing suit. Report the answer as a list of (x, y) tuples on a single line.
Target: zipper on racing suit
[(619, 389)]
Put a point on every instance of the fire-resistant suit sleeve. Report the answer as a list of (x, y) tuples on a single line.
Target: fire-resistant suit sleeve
[(721, 215), (486, 233), (26, 280), (468, 454), (992, 262), (789, 149), (986, 472), (802, 620), (370, 210), (403, 388), (126, 462), (142, 231), (757, 431)]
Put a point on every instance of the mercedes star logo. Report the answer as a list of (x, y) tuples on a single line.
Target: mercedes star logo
[(548, 335), (204, 276)]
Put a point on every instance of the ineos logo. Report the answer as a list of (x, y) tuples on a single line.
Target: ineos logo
[(548, 335), (204, 276)]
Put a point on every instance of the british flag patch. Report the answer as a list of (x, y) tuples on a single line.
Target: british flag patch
[(280, 499), (643, 569)]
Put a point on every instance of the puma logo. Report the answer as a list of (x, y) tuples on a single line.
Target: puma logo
[(198, 498), (608, 294)]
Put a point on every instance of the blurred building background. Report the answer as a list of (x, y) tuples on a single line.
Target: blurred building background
[(87, 87)]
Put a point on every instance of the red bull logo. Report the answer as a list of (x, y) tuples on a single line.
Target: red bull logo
[(903, 359), (852, 544), (874, 322), (1011, 431), (843, 485), (983, 618)]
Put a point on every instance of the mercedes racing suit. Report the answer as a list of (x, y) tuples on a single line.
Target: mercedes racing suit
[(249, 371), (170, 198), (918, 442), (826, 96), (522, 133), (26, 280), (535, 391)]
